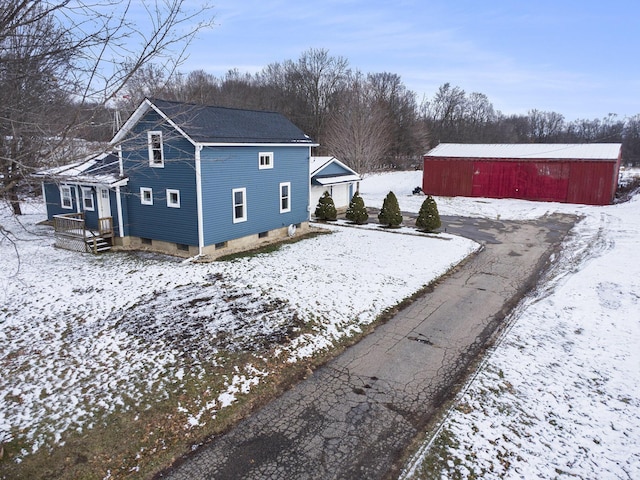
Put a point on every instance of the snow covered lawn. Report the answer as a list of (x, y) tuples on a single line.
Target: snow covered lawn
[(83, 336), (559, 397)]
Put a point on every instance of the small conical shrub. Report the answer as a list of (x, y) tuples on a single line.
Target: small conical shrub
[(390, 214), (326, 209), (428, 217), (357, 212)]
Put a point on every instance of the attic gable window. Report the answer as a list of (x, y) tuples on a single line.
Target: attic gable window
[(66, 200), (156, 152), (265, 160)]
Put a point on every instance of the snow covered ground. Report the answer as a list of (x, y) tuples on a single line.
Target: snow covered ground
[(558, 397), (84, 335)]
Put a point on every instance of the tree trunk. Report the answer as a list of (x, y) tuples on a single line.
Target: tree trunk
[(12, 196)]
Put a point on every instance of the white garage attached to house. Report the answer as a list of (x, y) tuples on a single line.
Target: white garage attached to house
[(328, 174)]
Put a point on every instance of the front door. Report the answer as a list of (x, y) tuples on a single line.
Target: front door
[(104, 204)]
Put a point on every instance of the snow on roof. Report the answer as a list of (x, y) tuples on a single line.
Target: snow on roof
[(583, 151), (102, 169), (318, 163)]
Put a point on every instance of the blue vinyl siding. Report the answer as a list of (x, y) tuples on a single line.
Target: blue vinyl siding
[(54, 207), (226, 168), (159, 221), (332, 169)]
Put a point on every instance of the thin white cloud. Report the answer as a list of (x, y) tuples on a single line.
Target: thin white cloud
[(517, 54)]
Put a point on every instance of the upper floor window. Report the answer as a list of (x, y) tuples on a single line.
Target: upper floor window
[(285, 197), (239, 197), (156, 153), (146, 196), (265, 160), (87, 199), (66, 200), (173, 198)]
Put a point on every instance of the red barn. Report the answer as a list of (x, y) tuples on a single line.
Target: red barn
[(570, 173)]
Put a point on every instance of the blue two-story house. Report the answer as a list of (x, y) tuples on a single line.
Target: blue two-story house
[(190, 180)]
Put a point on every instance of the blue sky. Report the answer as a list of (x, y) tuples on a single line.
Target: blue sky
[(577, 58)]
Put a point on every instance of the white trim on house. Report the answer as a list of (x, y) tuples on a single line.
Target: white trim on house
[(119, 208), (88, 204), (338, 180), (287, 196), (44, 194), (198, 161), (120, 161), (78, 204), (259, 144), (242, 203), (153, 148), (66, 188), (103, 202), (146, 196), (265, 160), (171, 202)]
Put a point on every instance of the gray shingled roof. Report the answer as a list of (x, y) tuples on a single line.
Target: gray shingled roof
[(207, 124)]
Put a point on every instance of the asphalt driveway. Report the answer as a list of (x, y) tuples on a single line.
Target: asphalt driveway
[(355, 416)]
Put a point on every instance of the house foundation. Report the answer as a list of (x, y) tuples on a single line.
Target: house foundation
[(211, 252)]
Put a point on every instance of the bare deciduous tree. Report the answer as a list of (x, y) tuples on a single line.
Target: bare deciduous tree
[(545, 126), (61, 60), (360, 133), (318, 78)]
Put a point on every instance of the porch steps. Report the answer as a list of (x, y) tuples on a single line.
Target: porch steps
[(101, 245)]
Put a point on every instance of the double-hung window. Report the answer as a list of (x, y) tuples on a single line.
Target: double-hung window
[(265, 160), (156, 152), (239, 197), (285, 197), (87, 199), (66, 200)]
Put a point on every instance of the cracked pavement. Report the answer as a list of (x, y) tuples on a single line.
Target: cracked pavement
[(356, 415)]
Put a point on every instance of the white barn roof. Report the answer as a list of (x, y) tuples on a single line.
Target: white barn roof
[(556, 151)]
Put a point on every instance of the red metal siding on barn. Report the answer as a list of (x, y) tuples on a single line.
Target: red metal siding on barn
[(592, 183), (573, 181), (546, 181), (447, 177)]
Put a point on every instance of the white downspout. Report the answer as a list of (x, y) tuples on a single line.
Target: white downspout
[(309, 182), (199, 200)]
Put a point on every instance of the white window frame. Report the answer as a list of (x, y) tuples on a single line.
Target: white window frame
[(153, 162), (287, 197), (265, 160), (144, 192), (234, 205), (63, 197), (87, 194), (170, 203)]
